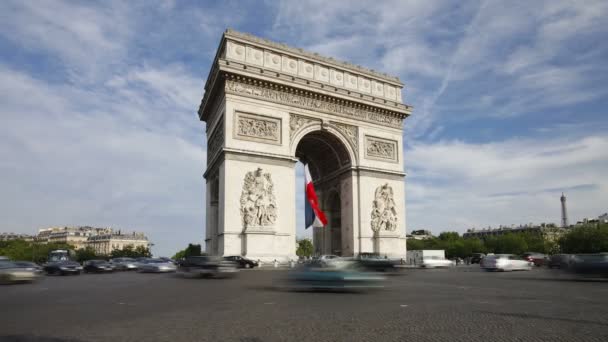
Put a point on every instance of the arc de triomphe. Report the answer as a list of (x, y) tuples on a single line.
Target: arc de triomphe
[(267, 106)]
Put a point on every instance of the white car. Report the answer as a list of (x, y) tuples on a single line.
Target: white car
[(156, 266), (328, 260), (435, 261), (505, 262)]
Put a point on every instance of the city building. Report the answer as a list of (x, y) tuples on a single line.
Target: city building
[(549, 231), (75, 236), (419, 235), (15, 236), (106, 243)]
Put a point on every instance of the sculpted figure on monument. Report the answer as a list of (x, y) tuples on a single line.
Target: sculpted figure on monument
[(258, 204), (384, 213)]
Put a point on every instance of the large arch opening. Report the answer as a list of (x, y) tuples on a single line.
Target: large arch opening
[(329, 162)]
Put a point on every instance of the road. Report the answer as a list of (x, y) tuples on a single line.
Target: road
[(462, 304)]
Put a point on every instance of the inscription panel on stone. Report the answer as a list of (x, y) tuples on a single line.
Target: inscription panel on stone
[(380, 149), (257, 128)]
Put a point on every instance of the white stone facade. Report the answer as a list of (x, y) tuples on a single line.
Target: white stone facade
[(267, 106)]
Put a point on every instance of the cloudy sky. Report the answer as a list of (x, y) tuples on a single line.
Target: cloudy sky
[(98, 103)]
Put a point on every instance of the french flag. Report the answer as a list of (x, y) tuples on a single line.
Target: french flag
[(314, 217)]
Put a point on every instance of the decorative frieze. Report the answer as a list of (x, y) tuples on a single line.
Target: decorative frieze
[(384, 212), (258, 203), (381, 149), (258, 128), (325, 104)]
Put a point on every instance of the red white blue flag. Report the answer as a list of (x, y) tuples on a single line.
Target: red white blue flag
[(314, 216)]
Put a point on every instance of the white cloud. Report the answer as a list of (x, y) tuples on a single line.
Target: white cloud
[(63, 165), (87, 39), (457, 185)]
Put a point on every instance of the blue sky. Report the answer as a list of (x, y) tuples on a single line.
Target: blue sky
[(98, 103)]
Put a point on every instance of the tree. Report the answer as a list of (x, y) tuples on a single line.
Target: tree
[(84, 254), (585, 239), (449, 236), (142, 252), (179, 255), (191, 250), (414, 245), (32, 251), (305, 248)]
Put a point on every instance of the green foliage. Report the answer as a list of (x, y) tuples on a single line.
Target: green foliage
[(413, 244), (130, 252), (179, 255), (305, 248), (29, 251), (449, 236), (85, 254), (457, 246), (191, 250), (592, 238)]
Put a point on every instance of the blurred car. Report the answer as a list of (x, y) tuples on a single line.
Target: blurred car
[(505, 262), (97, 266), (62, 267), (347, 274), (207, 266), (30, 266), (376, 263), (165, 259), (11, 272), (156, 266), (242, 262), (476, 258), (590, 264), (559, 261), (124, 264), (538, 259), (326, 260), (433, 261)]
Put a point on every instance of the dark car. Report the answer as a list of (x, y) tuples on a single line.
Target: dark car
[(559, 261), (62, 267), (538, 259), (376, 263), (97, 266), (242, 262), (590, 264), (206, 266), (476, 258)]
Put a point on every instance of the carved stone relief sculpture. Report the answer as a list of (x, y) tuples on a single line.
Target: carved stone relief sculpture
[(384, 213), (350, 132), (380, 149), (258, 128), (258, 203), (296, 122)]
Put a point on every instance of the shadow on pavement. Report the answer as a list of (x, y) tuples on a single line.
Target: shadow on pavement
[(533, 316), (32, 338)]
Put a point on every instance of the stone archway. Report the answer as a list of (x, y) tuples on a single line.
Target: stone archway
[(330, 165), (266, 106)]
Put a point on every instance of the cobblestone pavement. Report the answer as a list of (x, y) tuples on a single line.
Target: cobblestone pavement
[(462, 304)]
